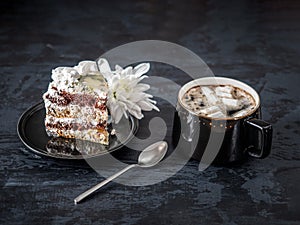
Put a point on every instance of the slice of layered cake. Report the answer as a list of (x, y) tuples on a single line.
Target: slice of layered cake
[(75, 103)]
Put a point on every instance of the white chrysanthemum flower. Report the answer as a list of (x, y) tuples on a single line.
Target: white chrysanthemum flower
[(126, 94)]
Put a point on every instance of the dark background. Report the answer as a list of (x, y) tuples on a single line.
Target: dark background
[(254, 41)]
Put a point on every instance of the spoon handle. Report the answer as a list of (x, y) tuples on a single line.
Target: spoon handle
[(96, 187)]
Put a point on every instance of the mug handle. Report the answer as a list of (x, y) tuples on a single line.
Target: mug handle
[(265, 140)]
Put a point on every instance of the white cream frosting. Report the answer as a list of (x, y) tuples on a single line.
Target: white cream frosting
[(85, 77), (66, 120)]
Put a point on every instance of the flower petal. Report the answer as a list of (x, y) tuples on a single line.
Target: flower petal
[(118, 69), (103, 66), (142, 87), (85, 67), (118, 115), (146, 106), (126, 71), (138, 115), (141, 69), (134, 81), (104, 69)]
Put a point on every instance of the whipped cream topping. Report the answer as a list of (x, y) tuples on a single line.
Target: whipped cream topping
[(85, 77)]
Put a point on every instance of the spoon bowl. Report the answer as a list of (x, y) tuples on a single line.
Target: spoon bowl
[(153, 154)]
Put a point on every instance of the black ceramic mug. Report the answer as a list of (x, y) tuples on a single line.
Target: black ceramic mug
[(221, 140)]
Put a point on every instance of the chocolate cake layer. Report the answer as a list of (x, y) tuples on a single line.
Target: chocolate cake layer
[(63, 98), (73, 125)]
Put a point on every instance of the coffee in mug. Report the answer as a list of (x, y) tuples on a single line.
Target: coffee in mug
[(218, 101), (225, 108)]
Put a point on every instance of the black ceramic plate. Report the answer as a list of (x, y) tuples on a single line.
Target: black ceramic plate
[(31, 130)]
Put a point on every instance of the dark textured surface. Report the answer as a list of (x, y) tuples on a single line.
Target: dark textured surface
[(253, 41)]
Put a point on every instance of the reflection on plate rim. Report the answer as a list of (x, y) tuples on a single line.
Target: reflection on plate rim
[(33, 109)]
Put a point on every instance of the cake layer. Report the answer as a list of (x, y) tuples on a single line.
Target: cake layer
[(95, 135), (75, 111), (63, 98), (73, 123)]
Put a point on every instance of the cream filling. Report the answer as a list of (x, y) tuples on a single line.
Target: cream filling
[(89, 134), (81, 120), (76, 111)]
